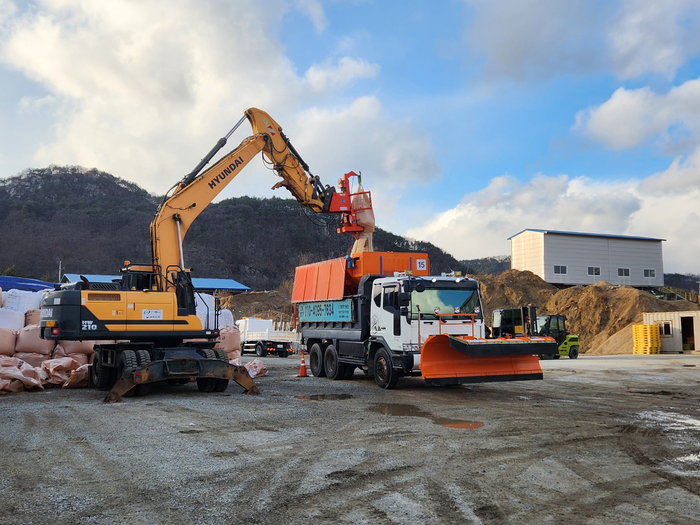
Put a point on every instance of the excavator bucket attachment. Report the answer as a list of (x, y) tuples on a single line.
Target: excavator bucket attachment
[(161, 370), (451, 360)]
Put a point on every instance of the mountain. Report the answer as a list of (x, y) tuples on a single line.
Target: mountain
[(89, 221)]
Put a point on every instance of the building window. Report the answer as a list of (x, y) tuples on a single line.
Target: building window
[(623, 272), (665, 328), (649, 272), (559, 270), (594, 270)]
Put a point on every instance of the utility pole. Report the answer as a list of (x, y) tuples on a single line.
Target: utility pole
[(59, 272)]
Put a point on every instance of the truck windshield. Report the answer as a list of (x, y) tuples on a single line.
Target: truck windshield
[(434, 301)]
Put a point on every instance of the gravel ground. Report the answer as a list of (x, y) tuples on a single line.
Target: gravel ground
[(601, 440)]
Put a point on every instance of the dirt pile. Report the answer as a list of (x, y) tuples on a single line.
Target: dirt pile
[(594, 312), (275, 304), (513, 289)]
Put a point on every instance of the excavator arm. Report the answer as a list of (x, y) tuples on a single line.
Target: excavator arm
[(198, 189)]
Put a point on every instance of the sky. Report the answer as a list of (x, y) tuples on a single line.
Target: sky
[(469, 120)]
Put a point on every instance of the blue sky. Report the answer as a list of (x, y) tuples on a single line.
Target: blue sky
[(470, 120)]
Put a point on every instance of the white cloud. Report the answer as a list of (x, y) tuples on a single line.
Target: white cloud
[(654, 37), (541, 39), (653, 207), (314, 10), (392, 155), (329, 77), (7, 10), (632, 116), (142, 90)]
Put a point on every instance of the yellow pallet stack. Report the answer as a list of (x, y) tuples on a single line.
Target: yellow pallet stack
[(647, 339)]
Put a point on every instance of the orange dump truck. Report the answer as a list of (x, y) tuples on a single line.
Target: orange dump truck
[(384, 313)]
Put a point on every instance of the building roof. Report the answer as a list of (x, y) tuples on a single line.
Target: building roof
[(605, 235), (201, 283)]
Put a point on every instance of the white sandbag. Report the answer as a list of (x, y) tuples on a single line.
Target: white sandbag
[(78, 347), (226, 318), (204, 303), (28, 340), (8, 338), (11, 319), (22, 300), (208, 321)]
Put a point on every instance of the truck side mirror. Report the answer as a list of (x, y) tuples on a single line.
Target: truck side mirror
[(404, 311), (404, 299)]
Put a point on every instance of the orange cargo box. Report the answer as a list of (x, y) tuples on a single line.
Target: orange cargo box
[(338, 278)]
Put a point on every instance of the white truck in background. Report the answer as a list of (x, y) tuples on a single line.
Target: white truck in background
[(260, 336)]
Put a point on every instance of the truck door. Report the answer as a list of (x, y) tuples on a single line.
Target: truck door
[(391, 314)]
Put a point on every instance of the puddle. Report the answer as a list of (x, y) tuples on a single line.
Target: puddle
[(324, 397), (688, 366), (399, 409)]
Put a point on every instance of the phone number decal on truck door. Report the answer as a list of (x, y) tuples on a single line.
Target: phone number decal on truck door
[(326, 311)]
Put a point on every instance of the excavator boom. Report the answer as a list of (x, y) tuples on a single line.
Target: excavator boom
[(198, 189)]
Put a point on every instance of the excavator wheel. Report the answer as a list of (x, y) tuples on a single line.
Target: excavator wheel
[(316, 361), (221, 384), (127, 361), (101, 375), (221, 354), (208, 384), (143, 358), (384, 374)]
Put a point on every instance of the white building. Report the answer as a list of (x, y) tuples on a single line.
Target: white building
[(571, 258), (677, 329)]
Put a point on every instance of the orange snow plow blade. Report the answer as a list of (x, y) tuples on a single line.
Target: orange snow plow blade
[(452, 360)]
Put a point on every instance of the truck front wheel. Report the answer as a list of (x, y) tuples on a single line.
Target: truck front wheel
[(334, 370), (316, 361), (384, 373)]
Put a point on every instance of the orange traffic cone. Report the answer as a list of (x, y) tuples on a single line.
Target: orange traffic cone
[(302, 368)]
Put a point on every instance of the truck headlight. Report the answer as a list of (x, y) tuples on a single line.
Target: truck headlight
[(411, 348)]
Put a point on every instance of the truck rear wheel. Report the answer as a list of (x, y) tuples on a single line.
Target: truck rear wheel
[(282, 353), (349, 371), (316, 361), (334, 369), (384, 373), (260, 350)]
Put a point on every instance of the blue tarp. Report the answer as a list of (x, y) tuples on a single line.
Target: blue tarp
[(22, 283)]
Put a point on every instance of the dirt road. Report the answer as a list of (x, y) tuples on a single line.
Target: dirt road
[(600, 440)]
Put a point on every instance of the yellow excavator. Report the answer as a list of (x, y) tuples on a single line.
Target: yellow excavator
[(145, 322)]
